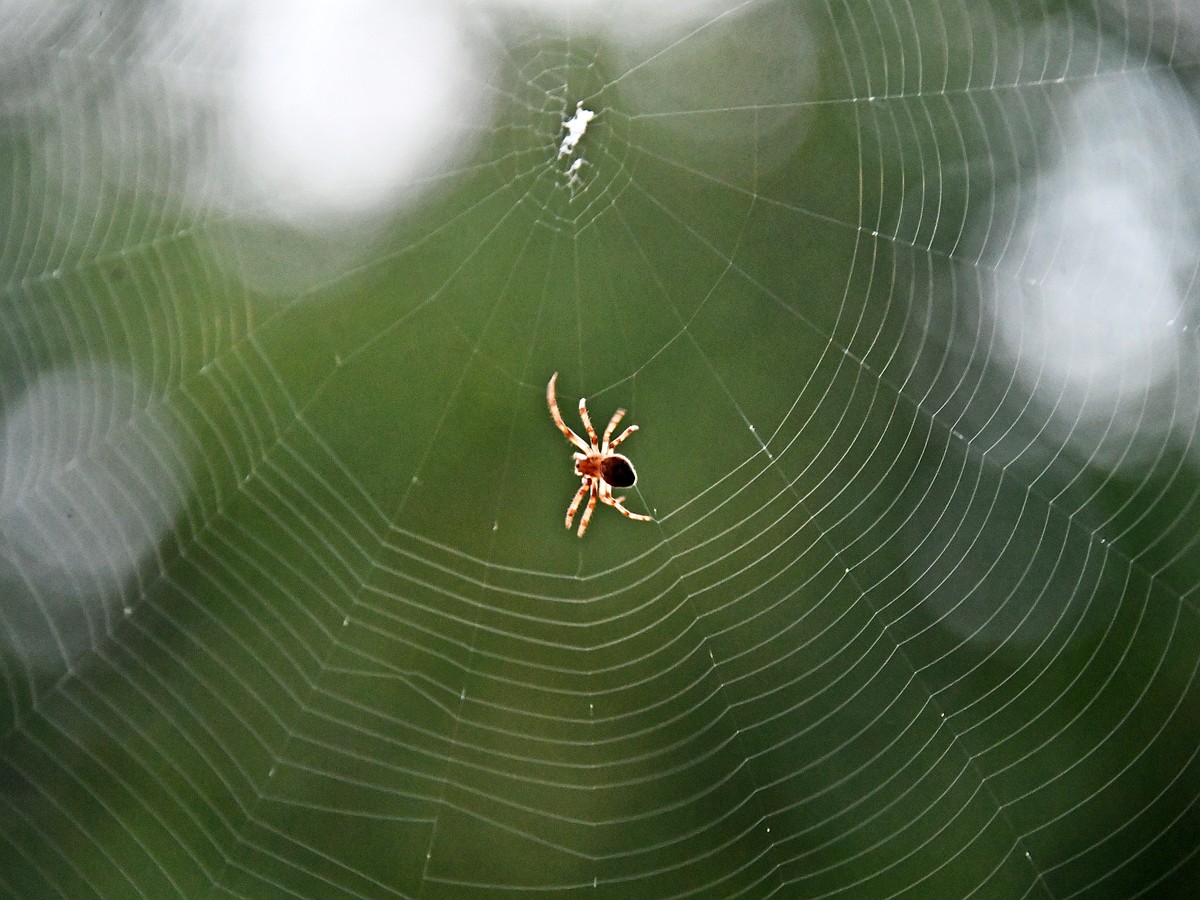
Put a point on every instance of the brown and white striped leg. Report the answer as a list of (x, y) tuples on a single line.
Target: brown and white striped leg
[(624, 434), (583, 489), (617, 503), (552, 402), (587, 512), (587, 422), (612, 424)]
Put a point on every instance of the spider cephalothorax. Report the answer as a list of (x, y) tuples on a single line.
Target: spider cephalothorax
[(596, 463)]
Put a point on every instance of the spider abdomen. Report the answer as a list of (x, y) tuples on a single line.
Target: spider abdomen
[(617, 471)]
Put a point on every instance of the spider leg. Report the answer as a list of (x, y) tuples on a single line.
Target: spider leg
[(612, 424), (587, 423), (587, 511), (624, 434), (618, 503), (583, 489), (637, 517), (552, 402)]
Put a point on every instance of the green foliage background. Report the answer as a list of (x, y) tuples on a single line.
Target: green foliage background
[(856, 652)]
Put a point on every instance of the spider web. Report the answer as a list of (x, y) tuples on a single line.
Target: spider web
[(902, 296)]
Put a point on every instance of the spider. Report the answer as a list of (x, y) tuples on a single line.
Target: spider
[(600, 468)]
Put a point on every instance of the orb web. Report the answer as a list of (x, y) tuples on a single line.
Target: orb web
[(903, 301)]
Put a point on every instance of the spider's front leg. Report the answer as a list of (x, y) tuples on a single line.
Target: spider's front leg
[(624, 434), (612, 424), (552, 402), (587, 423)]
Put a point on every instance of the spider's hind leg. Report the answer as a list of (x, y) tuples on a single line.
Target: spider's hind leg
[(618, 503), (583, 489), (587, 512)]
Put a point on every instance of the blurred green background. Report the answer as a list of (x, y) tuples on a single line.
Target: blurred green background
[(289, 606)]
